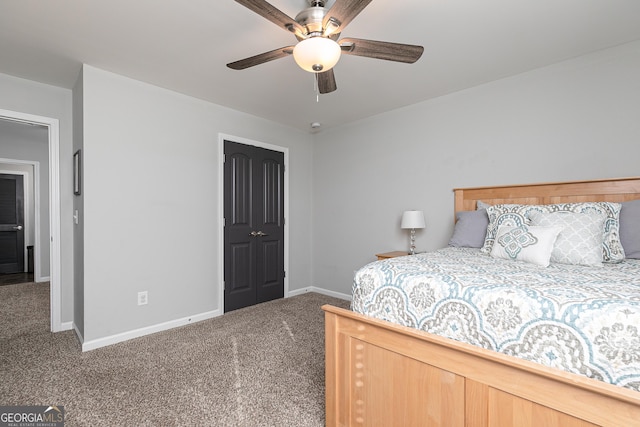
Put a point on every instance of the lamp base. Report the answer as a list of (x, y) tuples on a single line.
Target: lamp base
[(412, 247)]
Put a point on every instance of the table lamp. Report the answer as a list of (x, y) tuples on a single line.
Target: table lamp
[(412, 220)]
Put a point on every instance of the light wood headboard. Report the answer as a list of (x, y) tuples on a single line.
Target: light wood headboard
[(604, 190)]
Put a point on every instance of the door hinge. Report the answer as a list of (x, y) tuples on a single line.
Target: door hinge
[(224, 158)]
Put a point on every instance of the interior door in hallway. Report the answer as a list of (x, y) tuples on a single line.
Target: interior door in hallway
[(254, 225), (11, 223)]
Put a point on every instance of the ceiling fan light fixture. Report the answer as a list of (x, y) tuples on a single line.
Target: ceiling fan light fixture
[(316, 54)]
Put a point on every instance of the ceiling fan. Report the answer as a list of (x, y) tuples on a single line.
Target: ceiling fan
[(318, 30)]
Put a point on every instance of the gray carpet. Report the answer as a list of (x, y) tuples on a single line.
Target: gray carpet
[(259, 366)]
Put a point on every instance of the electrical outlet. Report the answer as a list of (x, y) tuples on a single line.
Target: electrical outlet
[(143, 298)]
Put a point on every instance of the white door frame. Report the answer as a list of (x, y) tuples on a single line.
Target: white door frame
[(53, 126), (221, 138)]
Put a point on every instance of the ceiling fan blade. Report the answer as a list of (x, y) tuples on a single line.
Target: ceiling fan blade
[(261, 58), (273, 14), (326, 81), (381, 50), (341, 13)]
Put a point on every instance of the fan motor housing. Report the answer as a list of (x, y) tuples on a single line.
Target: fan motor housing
[(311, 19)]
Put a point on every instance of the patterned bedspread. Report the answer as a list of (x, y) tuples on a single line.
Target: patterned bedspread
[(580, 319)]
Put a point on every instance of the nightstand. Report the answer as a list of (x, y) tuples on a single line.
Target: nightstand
[(393, 254)]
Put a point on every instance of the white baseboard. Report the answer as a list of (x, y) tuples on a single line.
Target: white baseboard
[(66, 326), (320, 291), (136, 333), (298, 292)]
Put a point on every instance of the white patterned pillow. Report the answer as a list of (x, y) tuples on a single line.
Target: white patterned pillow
[(514, 215), (507, 214), (581, 238), (526, 243)]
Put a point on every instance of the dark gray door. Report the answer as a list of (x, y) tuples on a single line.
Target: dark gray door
[(254, 225), (11, 223)]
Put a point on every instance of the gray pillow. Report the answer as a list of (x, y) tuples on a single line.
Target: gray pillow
[(482, 205), (630, 228), (470, 229)]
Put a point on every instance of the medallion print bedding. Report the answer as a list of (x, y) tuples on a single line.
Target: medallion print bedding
[(581, 319)]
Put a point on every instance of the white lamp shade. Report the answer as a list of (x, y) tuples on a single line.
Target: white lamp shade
[(413, 219), (317, 54)]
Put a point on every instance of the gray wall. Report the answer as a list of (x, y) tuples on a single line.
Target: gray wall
[(575, 120), (150, 200), (26, 96)]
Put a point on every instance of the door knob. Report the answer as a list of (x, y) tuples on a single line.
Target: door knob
[(17, 227), (253, 234), (261, 234)]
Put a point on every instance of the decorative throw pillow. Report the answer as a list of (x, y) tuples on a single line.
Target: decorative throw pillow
[(525, 243), (470, 229), (581, 238), (514, 215), (507, 214), (630, 228)]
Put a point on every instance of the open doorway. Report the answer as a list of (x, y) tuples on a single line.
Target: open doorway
[(52, 238)]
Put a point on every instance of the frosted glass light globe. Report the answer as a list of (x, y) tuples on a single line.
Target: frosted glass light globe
[(316, 54)]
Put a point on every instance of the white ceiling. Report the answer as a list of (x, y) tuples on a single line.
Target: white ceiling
[(184, 45)]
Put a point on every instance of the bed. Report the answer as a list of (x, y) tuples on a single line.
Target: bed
[(387, 373)]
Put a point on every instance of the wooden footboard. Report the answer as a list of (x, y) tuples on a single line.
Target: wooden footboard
[(382, 374)]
